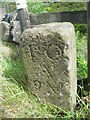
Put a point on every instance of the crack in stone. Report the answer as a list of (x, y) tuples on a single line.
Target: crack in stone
[(51, 87), (31, 53), (48, 71)]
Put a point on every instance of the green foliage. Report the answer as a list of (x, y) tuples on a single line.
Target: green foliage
[(37, 7), (81, 29), (68, 6), (9, 6), (81, 44), (81, 67), (40, 7)]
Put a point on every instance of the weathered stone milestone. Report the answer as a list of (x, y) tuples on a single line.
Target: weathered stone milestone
[(49, 57)]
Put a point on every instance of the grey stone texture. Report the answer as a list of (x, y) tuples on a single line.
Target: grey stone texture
[(4, 30), (49, 56), (16, 31), (2, 13)]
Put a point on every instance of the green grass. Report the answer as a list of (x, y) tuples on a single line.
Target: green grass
[(15, 73), (81, 43)]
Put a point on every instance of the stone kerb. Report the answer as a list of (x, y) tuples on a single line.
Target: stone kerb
[(49, 57)]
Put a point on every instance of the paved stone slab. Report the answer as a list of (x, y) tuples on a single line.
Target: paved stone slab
[(49, 56)]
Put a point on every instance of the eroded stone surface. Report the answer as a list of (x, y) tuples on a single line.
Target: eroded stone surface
[(49, 56), (16, 31), (4, 30)]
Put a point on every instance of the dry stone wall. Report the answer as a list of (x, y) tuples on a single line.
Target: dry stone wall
[(49, 56)]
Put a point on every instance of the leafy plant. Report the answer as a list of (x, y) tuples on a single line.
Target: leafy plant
[(37, 7), (81, 43), (40, 7)]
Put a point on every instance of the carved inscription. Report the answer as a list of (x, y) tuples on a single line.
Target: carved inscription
[(50, 63)]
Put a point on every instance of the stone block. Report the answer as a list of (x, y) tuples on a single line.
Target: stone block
[(16, 32), (4, 30), (49, 56)]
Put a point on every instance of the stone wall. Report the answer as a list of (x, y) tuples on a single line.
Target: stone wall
[(75, 17), (49, 56)]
